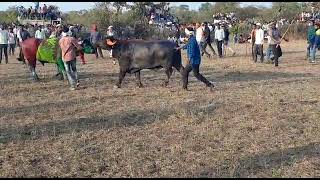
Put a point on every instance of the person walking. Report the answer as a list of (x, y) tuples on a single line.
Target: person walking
[(226, 41), (4, 38), (69, 45), (207, 38), (259, 39), (95, 38), (194, 61), (219, 36), (11, 42)]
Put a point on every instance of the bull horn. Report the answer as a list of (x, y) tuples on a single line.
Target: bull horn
[(110, 43)]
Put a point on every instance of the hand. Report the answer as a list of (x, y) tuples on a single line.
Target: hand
[(177, 48)]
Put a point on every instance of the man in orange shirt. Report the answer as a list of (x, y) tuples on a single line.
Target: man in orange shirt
[(69, 45)]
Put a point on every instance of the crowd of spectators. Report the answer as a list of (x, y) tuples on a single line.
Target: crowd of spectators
[(39, 13)]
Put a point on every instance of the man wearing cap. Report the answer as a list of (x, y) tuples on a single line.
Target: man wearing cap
[(111, 34), (194, 60), (259, 39)]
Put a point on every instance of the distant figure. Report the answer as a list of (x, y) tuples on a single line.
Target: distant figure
[(95, 38), (259, 39), (4, 37), (11, 41)]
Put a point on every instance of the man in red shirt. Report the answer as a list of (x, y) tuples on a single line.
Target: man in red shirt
[(69, 45)]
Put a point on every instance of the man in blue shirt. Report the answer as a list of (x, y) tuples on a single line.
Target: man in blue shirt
[(194, 60)]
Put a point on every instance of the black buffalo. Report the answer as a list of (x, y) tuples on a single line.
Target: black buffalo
[(135, 55)]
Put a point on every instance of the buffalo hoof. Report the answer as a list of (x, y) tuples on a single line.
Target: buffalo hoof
[(116, 87)]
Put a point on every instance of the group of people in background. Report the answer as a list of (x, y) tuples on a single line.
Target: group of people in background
[(39, 13), (313, 39)]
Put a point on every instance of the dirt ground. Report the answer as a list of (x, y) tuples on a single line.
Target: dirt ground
[(260, 121)]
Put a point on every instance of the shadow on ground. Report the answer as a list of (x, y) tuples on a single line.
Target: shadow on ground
[(262, 165)]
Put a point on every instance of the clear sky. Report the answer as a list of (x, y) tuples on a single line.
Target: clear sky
[(75, 6)]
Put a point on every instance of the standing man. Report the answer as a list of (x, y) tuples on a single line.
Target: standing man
[(275, 43), (194, 60), (311, 35), (11, 42), (259, 39), (207, 38), (95, 38), (226, 41), (4, 38), (111, 34), (69, 45), (40, 34), (314, 43), (219, 36), (253, 36)]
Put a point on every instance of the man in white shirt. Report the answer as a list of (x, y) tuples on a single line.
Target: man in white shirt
[(259, 39), (201, 38), (219, 36), (40, 33), (4, 38)]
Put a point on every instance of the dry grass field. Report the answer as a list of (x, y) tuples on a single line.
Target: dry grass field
[(260, 121)]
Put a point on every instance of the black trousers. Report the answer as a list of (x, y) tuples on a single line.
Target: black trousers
[(4, 50), (277, 52), (206, 43), (258, 49), (11, 49), (219, 47), (195, 69)]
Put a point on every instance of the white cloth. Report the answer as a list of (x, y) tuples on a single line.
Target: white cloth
[(4, 37), (19, 35), (11, 39), (259, 36), (199, 35), (219, 34)]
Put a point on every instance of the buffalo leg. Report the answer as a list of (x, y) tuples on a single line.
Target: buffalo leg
[(168, 73), (33, 73), (138, 78), (122, 74)]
